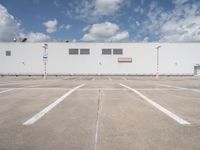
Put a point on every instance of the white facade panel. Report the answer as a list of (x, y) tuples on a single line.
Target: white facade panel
[(27, 58)]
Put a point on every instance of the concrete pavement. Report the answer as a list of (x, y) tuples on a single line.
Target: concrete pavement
[(125, 120)]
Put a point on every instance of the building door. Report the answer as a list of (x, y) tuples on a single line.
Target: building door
[(197, 70)]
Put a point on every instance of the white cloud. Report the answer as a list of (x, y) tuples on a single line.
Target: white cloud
[(139, 10), (105, 32), (9, 26), (10, 29), (146, 39), (74, 40), (181, 24), (35, 37), (137, 23), (56, 3), (120, 36), (107, 7), (51, 26), (179, 2), (183, 30), (66, 27), (86, 28), (93, 10)]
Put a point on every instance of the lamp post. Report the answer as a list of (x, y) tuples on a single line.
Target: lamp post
[(45, 59), (157, 72)]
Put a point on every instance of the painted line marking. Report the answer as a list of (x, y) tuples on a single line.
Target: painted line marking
[(164, 85), (159, 107), (40, 114), (90, 89), (195, 90), (32, 86), (99, 110), (6, 91), (178, 87), (10, 83)]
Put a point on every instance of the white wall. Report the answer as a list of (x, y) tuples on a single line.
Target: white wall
[(177, 58)]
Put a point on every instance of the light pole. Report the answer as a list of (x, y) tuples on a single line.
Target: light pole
[(45, 59), (157, 73)]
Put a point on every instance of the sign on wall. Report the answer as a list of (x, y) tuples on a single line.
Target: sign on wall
[(125, 60)]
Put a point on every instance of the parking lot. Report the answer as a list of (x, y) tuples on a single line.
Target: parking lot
[(100, 113)]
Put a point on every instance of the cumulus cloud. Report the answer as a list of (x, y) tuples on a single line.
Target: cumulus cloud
[(181, 24), (35, 37), (120, 36), (105, 32), (51, 26), (182, 30), (10, 29), (66, 27), (92, 10), (86, 28), (9, 26), (107, 7)]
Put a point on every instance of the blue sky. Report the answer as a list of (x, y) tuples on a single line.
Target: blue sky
[(100, 20)]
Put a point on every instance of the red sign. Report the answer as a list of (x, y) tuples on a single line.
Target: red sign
[(125, 60)]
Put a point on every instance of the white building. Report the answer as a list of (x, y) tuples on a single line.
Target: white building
[(100, 58)]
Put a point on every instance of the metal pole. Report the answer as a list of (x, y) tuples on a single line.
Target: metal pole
[(45, 57), (157, 73), (45, 67)]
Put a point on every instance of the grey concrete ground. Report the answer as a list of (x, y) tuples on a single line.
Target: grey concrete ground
[(101, 115)]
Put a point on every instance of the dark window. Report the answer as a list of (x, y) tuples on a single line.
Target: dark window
[(73, 51), (84, 51), (106, 51), (117, 51), (8, 53)]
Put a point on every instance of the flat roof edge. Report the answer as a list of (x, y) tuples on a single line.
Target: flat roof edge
[(100, 42)]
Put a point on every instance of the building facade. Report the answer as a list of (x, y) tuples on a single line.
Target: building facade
[(100, 58)]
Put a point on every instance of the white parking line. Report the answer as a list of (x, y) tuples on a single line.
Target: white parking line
[(6, 91), (178, 87), (10, 83), (40, 114), (32, 86), (164, 85), (89, 89), (99, 110), (159, 107)]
